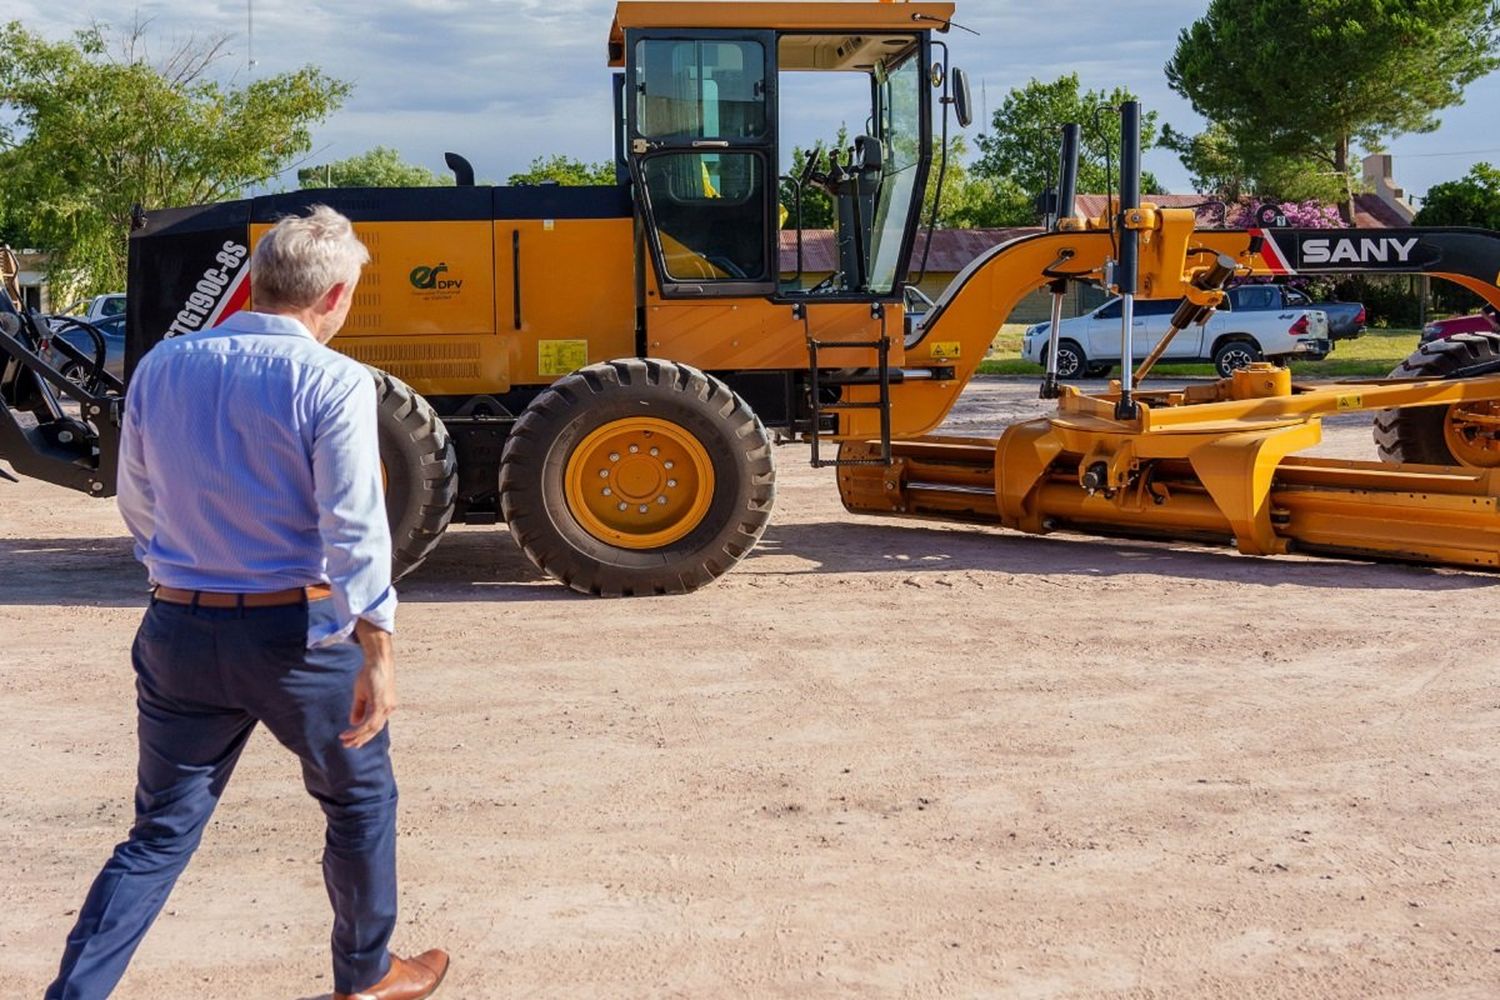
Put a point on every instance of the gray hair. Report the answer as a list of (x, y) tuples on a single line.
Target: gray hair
[(302, 257)]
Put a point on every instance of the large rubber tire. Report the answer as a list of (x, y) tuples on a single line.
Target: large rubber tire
[(534, 472), (421, 472), (1415, 434), (1234, 354)]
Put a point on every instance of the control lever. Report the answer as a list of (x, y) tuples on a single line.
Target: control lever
[(837, 175), (809, 169), (1204, 296)]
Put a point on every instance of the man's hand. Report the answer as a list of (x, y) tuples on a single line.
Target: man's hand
[(374, 688)]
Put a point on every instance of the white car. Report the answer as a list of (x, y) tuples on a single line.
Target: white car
[(99, 307), (1089, 345)]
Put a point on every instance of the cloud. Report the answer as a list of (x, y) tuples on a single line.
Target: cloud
[(504, 81)]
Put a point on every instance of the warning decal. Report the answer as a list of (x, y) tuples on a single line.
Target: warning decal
[(561, 357)]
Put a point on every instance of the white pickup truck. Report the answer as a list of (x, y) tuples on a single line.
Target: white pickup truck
[(1090, 344), (99, 307)]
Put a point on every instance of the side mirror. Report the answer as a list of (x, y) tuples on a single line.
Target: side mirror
[(963, 100), (869, 155)]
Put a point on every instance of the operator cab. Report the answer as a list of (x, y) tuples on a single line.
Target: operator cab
[(700, 137)]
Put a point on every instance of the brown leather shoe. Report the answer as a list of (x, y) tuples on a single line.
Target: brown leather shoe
[(409, 979)]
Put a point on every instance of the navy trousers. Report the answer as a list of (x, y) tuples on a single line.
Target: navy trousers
[(204, 678)]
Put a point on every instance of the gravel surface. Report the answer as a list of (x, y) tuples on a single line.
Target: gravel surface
[(878, 759)]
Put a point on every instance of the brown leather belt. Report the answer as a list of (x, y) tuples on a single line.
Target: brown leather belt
[(274, 599)]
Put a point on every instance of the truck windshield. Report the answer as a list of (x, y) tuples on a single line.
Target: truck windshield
[(856, 203), (899, 117)]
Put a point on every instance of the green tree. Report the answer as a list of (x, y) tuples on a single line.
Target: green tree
[(89, 129), (1472, 200), (1213, 160), (566, 171), (379, 167), (1294, 85), (1235, 170), (971, 201), (12, 226), (1020, 152)]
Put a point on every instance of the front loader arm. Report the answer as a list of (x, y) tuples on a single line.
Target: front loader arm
[(53, 429), (957, 333), (959, 330)]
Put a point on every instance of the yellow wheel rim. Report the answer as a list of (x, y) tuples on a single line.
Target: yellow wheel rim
[(639, 483), (1472, 433)]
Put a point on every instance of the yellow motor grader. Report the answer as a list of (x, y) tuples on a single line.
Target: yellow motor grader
[(604, 368)]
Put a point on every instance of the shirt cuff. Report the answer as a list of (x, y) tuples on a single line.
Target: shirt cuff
[(381, 613)]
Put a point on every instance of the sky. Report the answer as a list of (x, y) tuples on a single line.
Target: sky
[(503, 81)]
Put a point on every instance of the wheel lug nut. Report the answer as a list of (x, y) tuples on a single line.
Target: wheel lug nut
[(608, 492), (624, 506), (661, 500), (667, 465), (614, 456), (603, 473), (655, 452), (644, 508), (672, 484), (635, 449)]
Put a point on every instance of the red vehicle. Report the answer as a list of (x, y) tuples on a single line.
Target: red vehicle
[(1484, 321)]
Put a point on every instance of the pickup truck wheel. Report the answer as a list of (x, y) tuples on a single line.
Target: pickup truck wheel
[(1071, 361), (1232, 355), (1461, 434), (76, 372)]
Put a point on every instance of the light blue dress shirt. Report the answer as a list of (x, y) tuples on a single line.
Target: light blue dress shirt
[(249, 463)]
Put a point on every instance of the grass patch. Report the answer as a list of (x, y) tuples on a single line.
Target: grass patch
[(1371, 355)]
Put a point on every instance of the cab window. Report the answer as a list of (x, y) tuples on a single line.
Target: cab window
[(1252, 298), (710, 214), (1155, 307), (701, 89)]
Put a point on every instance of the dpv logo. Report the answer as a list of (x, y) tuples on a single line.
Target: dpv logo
[(428, 279)]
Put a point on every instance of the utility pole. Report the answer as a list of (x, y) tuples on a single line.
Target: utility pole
[(250, 25)]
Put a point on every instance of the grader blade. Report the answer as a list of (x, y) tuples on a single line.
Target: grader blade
[(1217, 471)]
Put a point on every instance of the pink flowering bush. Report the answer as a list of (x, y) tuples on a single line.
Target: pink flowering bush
[(1299, 215)]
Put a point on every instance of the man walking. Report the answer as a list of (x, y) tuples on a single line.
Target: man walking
[(250, 478)]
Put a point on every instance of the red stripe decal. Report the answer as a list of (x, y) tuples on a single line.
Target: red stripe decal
[(1276, 261), (234, 300)]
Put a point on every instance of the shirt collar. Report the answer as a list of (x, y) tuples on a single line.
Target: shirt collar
[(247, 321)]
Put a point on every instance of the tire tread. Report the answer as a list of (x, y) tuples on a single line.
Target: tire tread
[(526, 456)]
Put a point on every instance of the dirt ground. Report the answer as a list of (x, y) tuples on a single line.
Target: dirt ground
[(879, 759)]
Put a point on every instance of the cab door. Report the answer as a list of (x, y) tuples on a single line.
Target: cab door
[(701, 122)]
